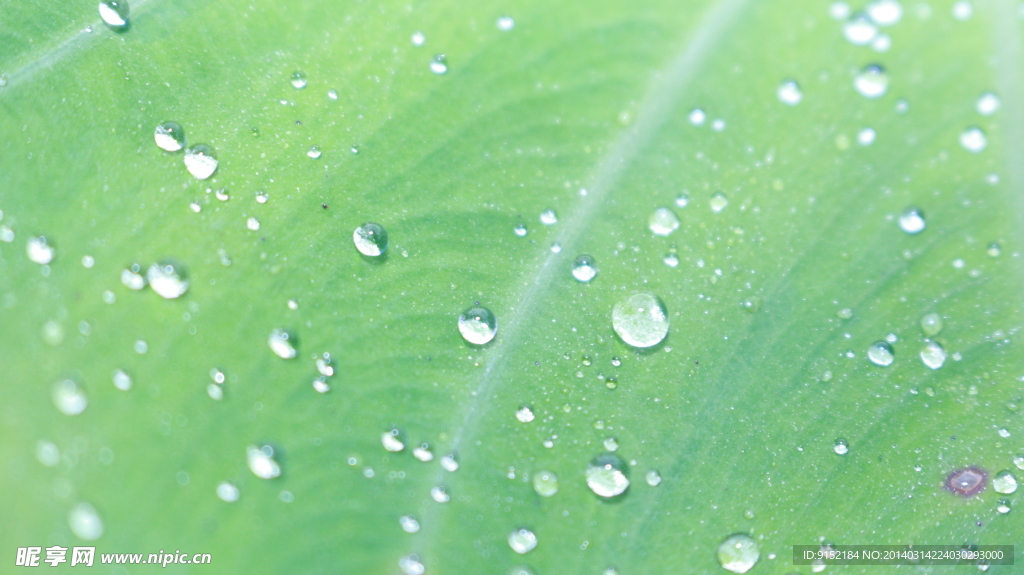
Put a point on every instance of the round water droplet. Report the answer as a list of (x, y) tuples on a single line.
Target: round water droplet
[(931, 324), (912, 220), (840, 447), (866, 137), (440, 494), (988, 104), (505, 23), (1004, 482), (298, 80), (371, 239), (85, 522), (478, 325), (606, 475), (169, 136), (962, 10), (881, 353), (422, 453), (859, 30), (69, 397), (47, 453), (200, 161), (227, 492), (718, 202), (738, 553), (122, 380), (392, 441), (314, 152), (418, 39), (439, 64), (973, 139), (261, 462), (697, 117), (872, 81), (885, 12), (409, 523), (524, 414), (641, 320), (449, 463), (545, 483), (114, 14), (167, 279), (663, 222), (789, 93), (1003, 507), (653, 478), (1018, 460), (520, 230), (548, 217), (39, 250), (253, 224), (933, 355), (584, 269), (522, 541), (611, 444), (282, 343)]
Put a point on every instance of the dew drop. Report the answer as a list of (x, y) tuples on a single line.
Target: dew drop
[(39, 250), (859, 30), (545, 483), (872, 81), (409, 523), (439, 64), (524, 414), (422, 452), (85, 522), (653, 478), (881, 353), (370, 239), (912, 220), (671, 260), (227, 492), (314, 152), (663, 222), (548, 217), (738, 553), (988, 104), (697, 117), (167, 279), (282, 343), (606, 475), (200, 161), (584, 268), (47, 453), (169, 136), (962, 10), (933, 355), (866, 137), (885, 12), (718, 202), (789, 93), (449, 463), (114, 14), (298, 80), (641, 320), (411, 565), (122, 380), (252, 224), (69, 397), (439, 494), (840, 447), (520, 230), (522, 541), (931, 324), (478, 325), (391, 441), (1004, 482), (418, 39), (973, 139), (261, 462), (505, 23)]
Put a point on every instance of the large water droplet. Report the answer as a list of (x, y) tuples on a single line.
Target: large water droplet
[(663, 222), (261, 462), (584, 269), (859, 30), (85, 522), (282, 343), (169, 136), (606, 475), (885, 12), (69, 397), (881, 353), (872, 81), (478, 325), (1004, 482), (933, 355), (641, 320), (114, 14), (167, 279), (522, 541), (789, 93), (200, 161), (738, 553), (545, 483), (371, 239), (931, 324), (973, 139), (912, 220), (39, 250)]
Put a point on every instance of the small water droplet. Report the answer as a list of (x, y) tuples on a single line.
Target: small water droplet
[(840, 447), (962, 10), (548, 217), (718, 124), (845, 313), (261, 462), (39, 250), (872, 81), (221, 194), (370, 239), (545, 483), (227, 492), (409, 523), (988, 104), (1004, 482), (663, 222), (738, 553), (520, 230), (169, 136), (931, 324), (320, 384), (439, 64), (298, 80), (653, 478), (411, 565), (994, 249), (449, 463), (422, 452), (522, 541), (478, 325), (610, 444), (140, 346), (69, 397), (973, 139), (859, 30), (392, 441), (313, 152), (933, 355), (584, 268), (85, 522), (122, 380), (440, 494), (1003, 507), (606, 475), (641, 320), (418, 38), (252, 223), (912, 220), (282, 343), (881, 353), (505, 23), (866, 137), (524, 414), (718, 202), (332, 94), (167, 279), (200, 161), (885, 12), (789, 93), (697, 117), (114, 14)]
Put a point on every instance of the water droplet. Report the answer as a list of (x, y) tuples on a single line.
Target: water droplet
[(789, 93), (422, 452), (697, 117), (738, 553), (169, 136), (845, 313), (114, 14), (548, 217), (718, 202), (521, 570), (872, 81), (227, 492), (313, 152), (933, 355), (140, 346), (931, 324), (1004, 482), (881, 353), (584, 268), (418, 39), (253, 224), (840, 447), (606, 475), (371, 239), (520, 230), (39, 250), (200, 161), (1018, 460), (882, 43), (439, 494), (973, 139), (962, 10), (505, 23), (449, 463), (683, 200), (6, 234), (641, 320), (298, 80), (132, 277), (411, 565), (866, 137), (332, 94), (522, 541), (47, 453), (885, 12), (611, 444), (293, 304), (524, 414), (69, 397), (167, 279), (988, 104), (122, 380), (1003, 507), (85, 522), (478, 325), (653, 478), (222, 195), (282, 343), (409, 523), (391, 441), (718, 124), (663, 222), (912, 220), (859, 30), (556, 248), (320, 385), (545, 483), (261, 462), (439, 65)]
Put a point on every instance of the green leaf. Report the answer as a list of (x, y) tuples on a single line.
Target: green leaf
[(582, 108)]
